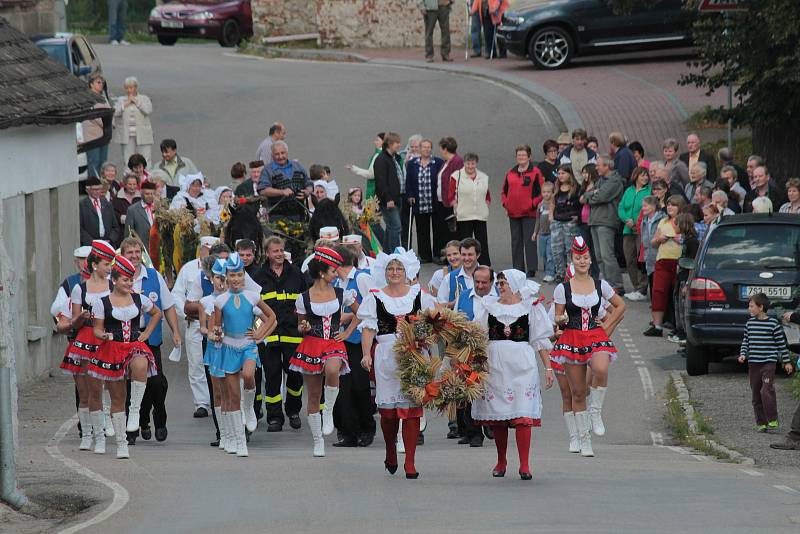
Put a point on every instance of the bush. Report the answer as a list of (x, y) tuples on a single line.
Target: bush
[(93, 14)]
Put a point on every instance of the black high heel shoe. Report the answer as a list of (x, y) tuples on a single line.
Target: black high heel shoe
[(499, 474), (525, 476), (389, 467), (412, 476)]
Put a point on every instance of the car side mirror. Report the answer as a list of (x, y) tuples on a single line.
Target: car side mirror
[(84, 70), (686, 263)]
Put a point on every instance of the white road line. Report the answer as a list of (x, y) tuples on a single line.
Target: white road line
[(700, 457), (751, 472), (679, 450), (787, 489), (647, 383), (638, 362), (121, 496)]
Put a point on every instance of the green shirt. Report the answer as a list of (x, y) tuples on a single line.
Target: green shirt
[(630, 206)]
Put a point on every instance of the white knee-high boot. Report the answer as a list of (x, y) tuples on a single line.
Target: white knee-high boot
[(327, 415), (582, 420), (230, 432), (241, 439), (99, 433), (572, 427), (248, 398), (107, 412), (315, 424), (86, 429), (137, 393), (118, 422), (596, 399)]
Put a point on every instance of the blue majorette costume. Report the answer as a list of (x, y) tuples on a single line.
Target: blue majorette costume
[(213, 354)]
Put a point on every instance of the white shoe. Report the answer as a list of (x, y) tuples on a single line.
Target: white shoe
[(137, 393), (582, 421), (572, 428), (124, 42), (99, 433), (596, 409), (118, 422), (315, 424), (248, 398), (114, 42), (423, 423), (230, 433), (327, 414), (86, 429), (547, 278), (635, 296), (241, 438)]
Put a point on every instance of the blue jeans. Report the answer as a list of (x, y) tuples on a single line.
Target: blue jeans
[(117, 10), (95, 159), (546, 253), (475, 34), (391, 216)]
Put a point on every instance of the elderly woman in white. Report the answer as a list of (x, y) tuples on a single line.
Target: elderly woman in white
[(194, 196), (132, 128)]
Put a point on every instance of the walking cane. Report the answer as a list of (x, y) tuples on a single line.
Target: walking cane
[(467, 32), (410, 226)]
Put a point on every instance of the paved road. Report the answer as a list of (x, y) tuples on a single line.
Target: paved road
[(217, 107)]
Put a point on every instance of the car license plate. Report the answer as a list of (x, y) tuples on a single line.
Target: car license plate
[(171, 24), (772, 292)]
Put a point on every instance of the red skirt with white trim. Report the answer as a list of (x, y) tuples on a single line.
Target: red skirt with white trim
[(85, 345), (413, 412), (578, 346), (313, 352), (112, 360), (512, 423)]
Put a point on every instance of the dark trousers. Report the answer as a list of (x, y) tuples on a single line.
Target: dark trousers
[(586, 234), (476, 229), (210, 393), (762, 387), (523, 250), (466, 425), (274, 362), (155, 395), (423, 222), (354, 409), (441, 232), (442, 16), (794, 433)]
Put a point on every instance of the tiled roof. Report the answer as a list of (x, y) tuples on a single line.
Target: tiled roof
[(35, 89)]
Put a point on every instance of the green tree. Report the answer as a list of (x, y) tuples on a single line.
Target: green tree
[(759, 53)]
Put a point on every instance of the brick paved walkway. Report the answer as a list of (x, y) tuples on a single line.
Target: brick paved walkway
[(637, 94)]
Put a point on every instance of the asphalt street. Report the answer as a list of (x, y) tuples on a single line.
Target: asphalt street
[(218, 108)]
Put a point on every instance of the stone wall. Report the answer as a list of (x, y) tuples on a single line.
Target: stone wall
[(353, 23), (34, 16)]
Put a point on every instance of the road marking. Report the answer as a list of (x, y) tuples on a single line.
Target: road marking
[(647, 383), (786, 489), (751, 472), (638, 362), (658, 439), (679, 450), (121, 496), (700, 457)]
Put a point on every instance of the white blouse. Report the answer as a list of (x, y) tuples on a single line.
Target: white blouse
[(123, 313), (207, 303), (77, 296), (583, 301), (251, 296), (540, 327), (368, 311), (327, 308)]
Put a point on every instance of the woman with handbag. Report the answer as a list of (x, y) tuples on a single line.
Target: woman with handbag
[(469, 192)]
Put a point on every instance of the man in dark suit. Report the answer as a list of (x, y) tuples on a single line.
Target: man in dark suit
[(139, 218), (249, 187), (694, 155), (388, 190), (97, 217)]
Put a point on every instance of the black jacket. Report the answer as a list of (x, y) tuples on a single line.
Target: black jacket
[(90, 226), (708, 159), (280, 294), (387, 183), (776, 196)]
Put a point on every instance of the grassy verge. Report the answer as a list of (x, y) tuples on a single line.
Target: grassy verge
[(681, 429)]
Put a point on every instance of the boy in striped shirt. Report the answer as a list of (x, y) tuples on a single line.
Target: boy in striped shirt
[(763, 345)]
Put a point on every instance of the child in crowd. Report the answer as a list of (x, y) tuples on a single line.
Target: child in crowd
[(541, 231), (321, 174), (763, 345), (649, 219)]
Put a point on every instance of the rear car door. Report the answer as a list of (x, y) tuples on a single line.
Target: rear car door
[(596, 22), (661, 20)]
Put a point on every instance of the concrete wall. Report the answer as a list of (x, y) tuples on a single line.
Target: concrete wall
[(40, 219), (353, 23), (36, 16)]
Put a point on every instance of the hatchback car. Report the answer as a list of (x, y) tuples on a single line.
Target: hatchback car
[(71, 50), (552, 32), (229, 22), (742, 256)]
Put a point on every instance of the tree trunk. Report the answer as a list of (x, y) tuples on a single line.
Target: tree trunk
[(778, 146)]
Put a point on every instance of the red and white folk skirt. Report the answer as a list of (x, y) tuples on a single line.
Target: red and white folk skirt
[(313, 352), (577, 347), (112, 360), (85, 346)]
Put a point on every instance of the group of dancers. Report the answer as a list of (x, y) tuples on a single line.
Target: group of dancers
[(348, 318)]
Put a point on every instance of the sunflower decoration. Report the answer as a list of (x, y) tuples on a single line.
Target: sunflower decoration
[(425, 378)]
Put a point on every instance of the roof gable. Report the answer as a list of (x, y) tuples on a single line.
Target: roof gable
[(35, 89)]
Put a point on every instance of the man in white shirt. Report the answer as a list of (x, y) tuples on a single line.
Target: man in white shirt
[(460, 279), (277, 132)]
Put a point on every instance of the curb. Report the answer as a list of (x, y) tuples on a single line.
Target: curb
[(308, 53), (688, 409)]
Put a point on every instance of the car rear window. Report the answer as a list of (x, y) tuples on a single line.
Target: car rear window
[(753, 247)]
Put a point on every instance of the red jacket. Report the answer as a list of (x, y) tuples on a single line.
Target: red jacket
[(522, 193)]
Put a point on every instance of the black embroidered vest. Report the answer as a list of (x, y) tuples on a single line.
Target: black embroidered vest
[(316, 321), (387, 323)]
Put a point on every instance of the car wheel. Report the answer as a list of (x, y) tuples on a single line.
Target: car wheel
[(551, 48), (231, 34), (167, 40), (696, 360)]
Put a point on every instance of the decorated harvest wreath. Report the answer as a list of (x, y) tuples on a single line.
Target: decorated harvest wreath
[(423, 378)]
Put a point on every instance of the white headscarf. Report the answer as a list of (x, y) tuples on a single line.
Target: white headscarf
[(406, 257), (519, 283)]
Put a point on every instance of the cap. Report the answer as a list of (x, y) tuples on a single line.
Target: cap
[(564, 139), (208, 241), (103, 250), (329, 232), (82, 252), (219, 267), (352, 239), (234, 263), (579, 245), (329, 256), (124, 266)]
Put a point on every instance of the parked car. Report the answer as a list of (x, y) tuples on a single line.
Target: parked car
[(744, 255), (229, 22), (71, 50), (552, 32)]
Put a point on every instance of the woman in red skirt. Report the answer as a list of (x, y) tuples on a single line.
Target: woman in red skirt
[(584, 341), (84, 345), (322, 351), (123, 351)]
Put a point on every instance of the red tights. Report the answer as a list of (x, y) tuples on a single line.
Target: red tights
[(389, 427), (523, 435), (410, 435)]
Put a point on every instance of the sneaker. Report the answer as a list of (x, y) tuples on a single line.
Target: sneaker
[(772, 427), (114, 42), (675, 338), (548, 278), (762, 428), (653, 332), (124, 42), (635, 296)]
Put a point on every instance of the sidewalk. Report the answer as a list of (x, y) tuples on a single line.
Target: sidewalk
[(637, 94)]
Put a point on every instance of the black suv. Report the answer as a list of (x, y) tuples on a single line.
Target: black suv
[(552, 32), (743, 255)]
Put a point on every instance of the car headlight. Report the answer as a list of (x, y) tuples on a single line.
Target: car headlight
[(154, 14), (203, 15), (512, 20)]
